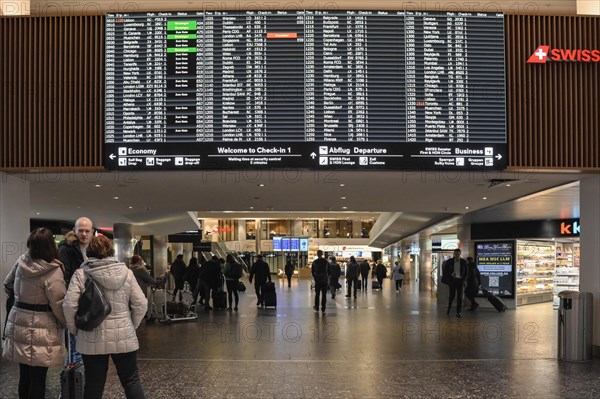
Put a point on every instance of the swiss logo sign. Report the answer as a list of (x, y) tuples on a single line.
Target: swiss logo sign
[(544, 53)]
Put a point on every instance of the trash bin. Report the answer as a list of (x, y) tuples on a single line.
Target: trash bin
[(575, 326)]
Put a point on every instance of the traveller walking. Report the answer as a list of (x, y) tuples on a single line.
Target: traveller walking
[(398, 276), (233, 273), (473, 282), (380, 273), (454, 273), (289, 270), (34, 330), (211, 276), (178, 273), (115, 336), (260, 273), (320, 273), (364, 273), (192, 272), (352, 270), (335, 271)]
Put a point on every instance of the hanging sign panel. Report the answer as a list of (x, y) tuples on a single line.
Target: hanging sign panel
[(311, 89)]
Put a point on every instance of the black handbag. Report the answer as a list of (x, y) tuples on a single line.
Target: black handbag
[(93, 307)]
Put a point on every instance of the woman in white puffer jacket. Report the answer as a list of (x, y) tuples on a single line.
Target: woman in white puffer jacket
[(116, 335)]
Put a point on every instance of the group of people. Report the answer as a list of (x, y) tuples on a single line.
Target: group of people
[(326, 276), (46, 283), (460, 274), (208, 278)]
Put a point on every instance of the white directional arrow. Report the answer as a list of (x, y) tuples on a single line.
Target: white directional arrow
[(498, 157), (313, 155), (112, 156)]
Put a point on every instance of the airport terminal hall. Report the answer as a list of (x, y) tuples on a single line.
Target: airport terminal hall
[(310, 199)]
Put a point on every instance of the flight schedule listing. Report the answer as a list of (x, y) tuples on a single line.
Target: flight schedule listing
[(315, 89)]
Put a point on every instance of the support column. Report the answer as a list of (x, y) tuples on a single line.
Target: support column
[(14, 227), (589, 275), (160, 255), (123, 240), (425, 264), (463, 233), (258, 231)]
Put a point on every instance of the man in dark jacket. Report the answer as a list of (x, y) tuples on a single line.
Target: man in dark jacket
[(320, 272), (261, 274), (364, 273), (289, 271), (211, 276), (335, 271), (352, 269), (380, 273), (71, 250), (178, 273), (454, 271)]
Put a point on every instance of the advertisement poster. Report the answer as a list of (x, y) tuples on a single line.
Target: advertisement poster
[(496, 263)]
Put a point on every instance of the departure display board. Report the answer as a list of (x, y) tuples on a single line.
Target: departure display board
[(496, 263), (310, 89)]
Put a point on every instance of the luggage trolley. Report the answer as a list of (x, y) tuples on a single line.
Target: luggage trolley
[(166, 311)]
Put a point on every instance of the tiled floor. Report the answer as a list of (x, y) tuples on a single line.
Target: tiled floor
[(383, 344)]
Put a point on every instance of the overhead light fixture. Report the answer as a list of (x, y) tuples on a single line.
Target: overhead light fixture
[(508, 185), (116, 198), (484, 198), (251, 207), (342, 185), (98, 185), (261, 185), (37, 213), (345, 207), (466, 207), (343, 198), (130, 207)]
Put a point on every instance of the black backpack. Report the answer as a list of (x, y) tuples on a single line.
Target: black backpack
[(236, 271)]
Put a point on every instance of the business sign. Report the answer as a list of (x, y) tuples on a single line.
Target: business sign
[(496, 263), (548, 228)]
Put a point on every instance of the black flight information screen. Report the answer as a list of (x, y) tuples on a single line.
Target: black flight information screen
[(308, 89)]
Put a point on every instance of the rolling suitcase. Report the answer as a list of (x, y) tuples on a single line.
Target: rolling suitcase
[(72, 377), (269, 295), (375, 285), (219, 298), (496, 302)]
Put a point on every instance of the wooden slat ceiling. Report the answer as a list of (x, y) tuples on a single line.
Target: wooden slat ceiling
[(553, 108), (52, 94), (51, 84)]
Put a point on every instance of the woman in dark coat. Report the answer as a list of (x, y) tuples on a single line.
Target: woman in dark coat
[(192, 273), (473, 283)]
